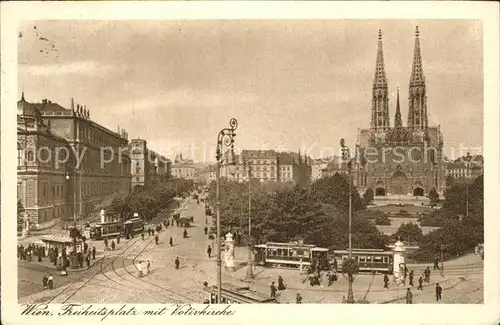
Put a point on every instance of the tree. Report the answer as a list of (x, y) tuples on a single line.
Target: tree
[(383, 220), (433, 196), (334, 190), (459, 236), (368, 196), (408, 231)]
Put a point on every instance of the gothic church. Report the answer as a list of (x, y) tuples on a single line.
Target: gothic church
[(400, 160)]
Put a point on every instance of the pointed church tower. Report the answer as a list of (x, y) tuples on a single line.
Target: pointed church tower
[(380, 99), (398, 121), (417, 98)]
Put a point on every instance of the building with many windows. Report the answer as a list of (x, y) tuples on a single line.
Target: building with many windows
[(183, 168), (317, 166), (66, 163), (266, 166), (465, 169)]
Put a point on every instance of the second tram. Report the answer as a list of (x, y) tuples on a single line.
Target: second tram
[(369, 260), (292, 255)]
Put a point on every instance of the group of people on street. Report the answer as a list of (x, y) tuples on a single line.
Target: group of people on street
[(58, 259), (106, 244), (281, 286), (27, 253), (48, 281), (409, 294)]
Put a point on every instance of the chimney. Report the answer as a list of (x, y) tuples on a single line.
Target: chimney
[(44, 101)]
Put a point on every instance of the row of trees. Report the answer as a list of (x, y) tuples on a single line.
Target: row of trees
[(148, 202), (460, 231), (285, 212)]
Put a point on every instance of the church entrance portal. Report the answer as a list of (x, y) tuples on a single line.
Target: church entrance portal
[(418, 191), (380, 191), (399, 183)]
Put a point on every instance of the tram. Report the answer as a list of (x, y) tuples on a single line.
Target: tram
[(106, 230), (292, 255), (116, 228), (369, 260), (233, 294), (133, 226)]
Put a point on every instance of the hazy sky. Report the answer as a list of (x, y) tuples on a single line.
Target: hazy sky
[(291, 84)]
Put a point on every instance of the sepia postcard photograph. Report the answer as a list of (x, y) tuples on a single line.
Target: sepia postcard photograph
[(201, 164)]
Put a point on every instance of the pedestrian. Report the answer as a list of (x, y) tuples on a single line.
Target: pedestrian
[(88, 261), (149, 266), (50, 282), (45, 280), (113, 245), (206, 230), (93, 253), (420, 282), (386, 281), (436, 263), (439, 290), (171, 241), (411, 277), (281, 286), (156, 239), (142, 236), (177, 263), (427, 274), (409, 296), (185, 234), (209, 251), (273, 290), (118, 239), (85, 247), (298, 298)]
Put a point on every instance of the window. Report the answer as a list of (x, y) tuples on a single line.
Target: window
[(20, 154), (361, 259)]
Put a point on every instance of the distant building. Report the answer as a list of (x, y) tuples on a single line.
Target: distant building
[(147, 165), (207, 174), (336, 166), (266, 166), (294, 167), (465, 169), (66, 163), (183, 168), (317, 167)]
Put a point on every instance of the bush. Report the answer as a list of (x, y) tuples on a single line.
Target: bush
[(383, 220)]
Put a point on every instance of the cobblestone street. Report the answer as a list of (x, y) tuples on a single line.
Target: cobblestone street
[(114, 277)]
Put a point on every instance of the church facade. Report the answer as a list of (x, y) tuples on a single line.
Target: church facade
[(400, 159)]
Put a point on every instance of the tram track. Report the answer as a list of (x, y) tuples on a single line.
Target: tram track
[(162, 288), (89, 271)]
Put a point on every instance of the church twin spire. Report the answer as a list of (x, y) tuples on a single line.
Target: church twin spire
[(380, 99), (417, 111)]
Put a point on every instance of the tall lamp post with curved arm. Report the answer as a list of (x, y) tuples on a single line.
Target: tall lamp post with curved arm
[(346, 155), (73, 231), (225, 138), (249, 274)]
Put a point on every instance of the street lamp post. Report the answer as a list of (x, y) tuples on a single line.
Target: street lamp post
[(347, 156), (225, 138), (249, 274), (74, 262)]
